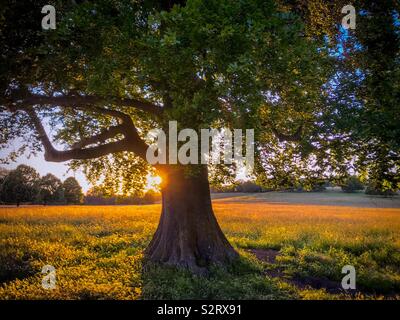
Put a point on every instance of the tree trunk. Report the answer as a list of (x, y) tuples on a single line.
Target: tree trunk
[(188, 234)]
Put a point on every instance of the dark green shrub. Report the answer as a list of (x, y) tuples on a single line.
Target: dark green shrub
[(374, 190), (352, 184)]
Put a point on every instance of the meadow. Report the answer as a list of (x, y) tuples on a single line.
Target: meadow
[(288, 250)]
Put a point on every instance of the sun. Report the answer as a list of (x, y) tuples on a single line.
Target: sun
[(152, 183)]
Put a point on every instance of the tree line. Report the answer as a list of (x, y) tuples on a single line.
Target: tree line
[(349, 184), (25, 185), (99, 195)]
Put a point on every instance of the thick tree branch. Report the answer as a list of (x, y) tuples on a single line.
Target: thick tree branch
[(295, 137), (71, 100), (24, 100), (131, 142), (54, 155), (100, 138)]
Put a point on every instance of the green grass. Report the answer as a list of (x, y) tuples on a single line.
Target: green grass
[(98, 253)]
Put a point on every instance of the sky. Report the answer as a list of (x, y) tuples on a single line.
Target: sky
[(60, 170)]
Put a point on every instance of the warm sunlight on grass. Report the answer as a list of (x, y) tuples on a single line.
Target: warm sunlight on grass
[(97, 252)]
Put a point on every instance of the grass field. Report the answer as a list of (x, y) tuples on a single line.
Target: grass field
[(289, 250)]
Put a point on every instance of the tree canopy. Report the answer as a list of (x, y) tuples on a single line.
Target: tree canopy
[(20, 185), (24, 184), (50, 189), (72, 191), (117, 66)]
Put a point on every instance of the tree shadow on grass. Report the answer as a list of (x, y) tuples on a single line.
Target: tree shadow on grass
[(241, 279), (306, 279), (14, 267)]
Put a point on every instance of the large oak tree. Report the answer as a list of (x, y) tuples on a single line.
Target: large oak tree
[(113, 70)]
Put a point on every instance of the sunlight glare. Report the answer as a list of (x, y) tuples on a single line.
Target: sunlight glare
[(153, 183)]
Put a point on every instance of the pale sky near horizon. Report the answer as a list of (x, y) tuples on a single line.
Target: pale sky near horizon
[(42, 166)]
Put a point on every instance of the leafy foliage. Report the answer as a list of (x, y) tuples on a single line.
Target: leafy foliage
[(208, 63), (352, 184), (50, 189), (323, 101), (20, 185), (72, 191), (24, 184)]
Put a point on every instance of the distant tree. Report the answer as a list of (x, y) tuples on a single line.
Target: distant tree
[(231, 187), (98, 195), (352, 184), (248, 186), (150, 196), (72, 191), (50, 189), (3, 172), (377, 189), (20, 185), (312, 184)]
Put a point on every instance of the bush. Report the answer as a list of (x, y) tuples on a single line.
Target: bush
[(248, 187), (95, 196), (374, 190), (318, 187), (352, 184), (308, 186), (222, 189), (151, 197)]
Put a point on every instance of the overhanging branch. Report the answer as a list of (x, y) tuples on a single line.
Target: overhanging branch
[(100, 138), (130, 142), (295, 137), (71, 100)]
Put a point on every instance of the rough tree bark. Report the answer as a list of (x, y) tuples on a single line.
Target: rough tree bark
[(188, 234)]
